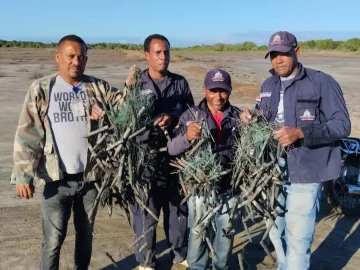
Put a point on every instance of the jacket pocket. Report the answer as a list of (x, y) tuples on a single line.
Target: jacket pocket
[(307, 111), (313, 158)]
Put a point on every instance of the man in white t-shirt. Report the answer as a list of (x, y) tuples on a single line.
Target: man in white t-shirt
[(51, 144)]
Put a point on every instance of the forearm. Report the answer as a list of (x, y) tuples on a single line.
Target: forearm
[(178, 145)]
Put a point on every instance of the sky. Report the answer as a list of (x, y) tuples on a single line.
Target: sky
[(183, 22)]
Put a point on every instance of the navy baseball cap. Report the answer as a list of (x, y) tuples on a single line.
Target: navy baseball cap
[(217, 78), (281, 41)]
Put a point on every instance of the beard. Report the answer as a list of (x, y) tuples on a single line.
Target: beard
[(163, 72), (77, 74)]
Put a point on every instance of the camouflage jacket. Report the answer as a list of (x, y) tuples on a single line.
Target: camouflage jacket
[(35, 156)]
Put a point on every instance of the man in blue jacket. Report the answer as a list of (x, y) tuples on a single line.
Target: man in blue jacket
[(172, 96), (309, 109), (222, 119)]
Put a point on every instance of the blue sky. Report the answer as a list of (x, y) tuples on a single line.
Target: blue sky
[(184, 22)]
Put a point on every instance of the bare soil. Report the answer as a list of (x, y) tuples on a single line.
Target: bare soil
[(336, 243)]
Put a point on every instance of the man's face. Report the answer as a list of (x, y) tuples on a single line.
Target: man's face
[(158, 55), (216, 98), (284, 64), (71, 57)]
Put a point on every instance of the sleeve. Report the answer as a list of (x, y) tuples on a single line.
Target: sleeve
[(188, 102), (179, 143), (337, 124), (28, 144), (113, 95)]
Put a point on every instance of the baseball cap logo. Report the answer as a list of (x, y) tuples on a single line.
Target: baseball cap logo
[(218, 77), (276, 40)]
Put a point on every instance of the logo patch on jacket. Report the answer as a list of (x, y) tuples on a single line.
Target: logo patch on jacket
[(146, 92), (307, 114), (265, 94), (178, 107)]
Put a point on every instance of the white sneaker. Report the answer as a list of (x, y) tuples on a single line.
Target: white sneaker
[(146, 268)]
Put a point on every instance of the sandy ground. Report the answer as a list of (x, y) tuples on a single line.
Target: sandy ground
[(336, 244)]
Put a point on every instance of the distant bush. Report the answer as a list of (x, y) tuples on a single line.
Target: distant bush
[(321, 44), (352, 45)]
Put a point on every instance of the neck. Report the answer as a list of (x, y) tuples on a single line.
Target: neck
[(294, 71), (70, 81), (215, 111), (156, 75), (296, 68)]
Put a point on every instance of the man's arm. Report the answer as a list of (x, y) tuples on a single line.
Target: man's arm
[(28, 144), (111, 97), (337, 125), (183, 135)]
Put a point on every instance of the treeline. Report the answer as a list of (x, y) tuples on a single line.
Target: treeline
[(352, 45)]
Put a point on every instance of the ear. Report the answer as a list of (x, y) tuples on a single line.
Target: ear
[(147, 56), (57, 56), (204, 90), (297, 52), (86, 59)]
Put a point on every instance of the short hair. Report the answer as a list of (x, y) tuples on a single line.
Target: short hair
[(150, 38), (73, 38)]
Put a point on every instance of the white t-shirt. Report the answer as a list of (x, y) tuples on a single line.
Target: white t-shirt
[(68, 119), (280, 117)]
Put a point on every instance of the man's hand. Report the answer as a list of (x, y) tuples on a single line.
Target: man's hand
[(163, 121), (25, 190), (246, 116), (193, 132), (288, 135), (132, 76), (96, 112)]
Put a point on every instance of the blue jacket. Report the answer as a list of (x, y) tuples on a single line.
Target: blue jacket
[(224, 151), (315, 103), (174, 100)]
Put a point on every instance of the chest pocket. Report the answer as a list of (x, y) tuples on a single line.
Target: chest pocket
[(307, 112), (265, 108)]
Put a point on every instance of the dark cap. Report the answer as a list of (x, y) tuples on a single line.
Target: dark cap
[(281, 41), (217, 78)]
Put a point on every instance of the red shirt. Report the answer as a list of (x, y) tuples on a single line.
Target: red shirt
[(217, 119)]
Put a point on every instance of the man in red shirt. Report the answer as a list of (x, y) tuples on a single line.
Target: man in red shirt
[(222, 119)]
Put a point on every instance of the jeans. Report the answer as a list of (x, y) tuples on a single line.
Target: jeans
[(58, 199), (295, 230), (198, 249), (175, 227)]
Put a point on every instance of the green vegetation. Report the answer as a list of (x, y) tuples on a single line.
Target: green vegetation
[(352, 45)]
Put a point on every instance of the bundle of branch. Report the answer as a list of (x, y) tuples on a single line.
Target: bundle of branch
[(199, 172), (123, 160), (256, 176)]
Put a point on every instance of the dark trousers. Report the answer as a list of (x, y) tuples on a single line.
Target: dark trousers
[(175, 226), (59, 198)]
